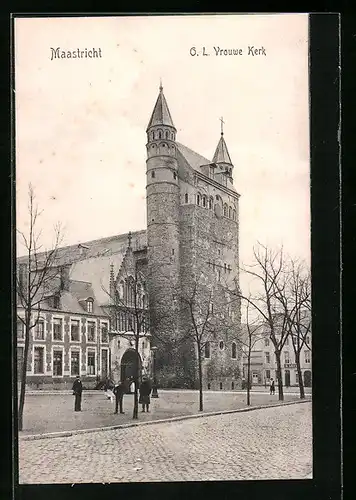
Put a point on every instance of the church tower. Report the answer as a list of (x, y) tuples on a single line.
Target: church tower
[(162, 193)]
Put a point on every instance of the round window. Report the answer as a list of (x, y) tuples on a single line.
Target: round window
[(221, 345)]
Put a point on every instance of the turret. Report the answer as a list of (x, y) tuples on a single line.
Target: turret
[(162, 219), (222, 157)]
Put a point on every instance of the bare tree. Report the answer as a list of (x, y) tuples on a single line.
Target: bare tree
[(268, 271), (254, 335), (295, 298), (202, 320), (34, 279)]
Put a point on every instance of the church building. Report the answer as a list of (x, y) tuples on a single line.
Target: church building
[(172, 287)]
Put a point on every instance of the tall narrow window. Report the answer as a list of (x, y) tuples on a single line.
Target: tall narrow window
[(204, 201), (57, 363), (153, 174), (174, 175), (234, 214), (74, 363), (210, 203), (230, 211), (38, 360), (74, 330), (198, 199), (268, 358), (40, 331), (20, 329), (89, 306), (104, 333), (91, 331), (166, 135), (233, 350), (225, 210), (186, 198), (57, 329), (91, 363)]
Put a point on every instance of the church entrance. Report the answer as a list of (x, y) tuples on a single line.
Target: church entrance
[(128, 364)]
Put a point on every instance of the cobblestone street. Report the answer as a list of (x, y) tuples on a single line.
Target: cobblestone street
[(272, 443)]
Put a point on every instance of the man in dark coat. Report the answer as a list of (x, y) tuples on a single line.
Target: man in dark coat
[(145, 391), (119, 391), (77, 392)]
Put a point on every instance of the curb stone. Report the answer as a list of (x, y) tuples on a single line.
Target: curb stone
[(33, 437)]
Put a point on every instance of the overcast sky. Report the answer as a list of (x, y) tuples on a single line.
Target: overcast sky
[(80, 123)]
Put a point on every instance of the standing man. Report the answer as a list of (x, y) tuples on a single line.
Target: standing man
[(119, 391), (77, 392)]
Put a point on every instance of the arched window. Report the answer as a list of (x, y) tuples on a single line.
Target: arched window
[(210, 203), (221, 345), (131, 295), (204, 201), (230, 210), (207, 350), (125, 295), (172, 136), (234, 214), (233, 350), (186, 198), (198, 199), (166, 134), (160, 134), (225, 210)]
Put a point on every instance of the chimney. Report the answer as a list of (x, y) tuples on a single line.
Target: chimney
[(65, 278)]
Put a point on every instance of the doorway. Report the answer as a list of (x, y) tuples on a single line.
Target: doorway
[(307, 378), (128, 364), (287, 378)]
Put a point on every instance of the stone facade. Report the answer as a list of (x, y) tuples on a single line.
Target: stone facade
[(193, 243)]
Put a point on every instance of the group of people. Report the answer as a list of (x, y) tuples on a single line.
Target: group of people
[(118, 391)]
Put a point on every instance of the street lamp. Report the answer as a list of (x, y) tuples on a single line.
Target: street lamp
[(154, 386)]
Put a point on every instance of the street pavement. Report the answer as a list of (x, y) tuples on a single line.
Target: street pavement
[(270, 443), (46, 413)]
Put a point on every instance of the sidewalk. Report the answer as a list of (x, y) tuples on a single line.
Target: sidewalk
[(55, 412)]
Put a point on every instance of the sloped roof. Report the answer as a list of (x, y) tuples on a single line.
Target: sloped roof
[(161, 114), (221, 153), (195, 160), (95, 248)]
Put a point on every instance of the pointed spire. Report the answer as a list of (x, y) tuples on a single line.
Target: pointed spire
[(221, 153), (161, 114)]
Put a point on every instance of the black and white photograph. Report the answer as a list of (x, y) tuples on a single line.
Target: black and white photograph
[(163, 248)]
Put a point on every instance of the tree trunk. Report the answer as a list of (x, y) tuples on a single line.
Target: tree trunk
[(248, 377), (24, 371), (279, 376), (200, 380), (135, 407), (300, 376)]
